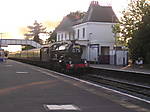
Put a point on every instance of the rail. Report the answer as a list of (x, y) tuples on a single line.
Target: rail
[(121, 84)]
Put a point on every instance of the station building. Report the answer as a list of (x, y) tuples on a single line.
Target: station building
[(94, 33)]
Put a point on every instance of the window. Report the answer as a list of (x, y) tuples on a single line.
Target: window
[(63, 47), (58, 38), (74, 34), (78, 33), (83, 32), (69, 36), (65, 36), (61, 36)]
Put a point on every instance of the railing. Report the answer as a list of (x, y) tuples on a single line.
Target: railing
[(20, 42)]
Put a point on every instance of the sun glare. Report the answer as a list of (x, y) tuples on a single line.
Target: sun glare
[(16, 15)]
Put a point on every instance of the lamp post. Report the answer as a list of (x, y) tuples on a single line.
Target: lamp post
[(115, 54), (114, 21), (124, 56)]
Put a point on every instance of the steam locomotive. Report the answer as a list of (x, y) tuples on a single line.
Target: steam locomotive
[(64, 56)]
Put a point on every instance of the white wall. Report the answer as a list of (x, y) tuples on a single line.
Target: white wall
[(60, 33), (80, 27), (100, 33), (96, 33)]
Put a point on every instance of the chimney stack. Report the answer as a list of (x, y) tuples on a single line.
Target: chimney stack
[(94, 3)]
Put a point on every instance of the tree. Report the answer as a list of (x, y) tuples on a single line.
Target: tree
[(118, 39), (52, 37), (35, 30), (76, 15), (131, 19), (132, 27), (27, 47), (140, 44)]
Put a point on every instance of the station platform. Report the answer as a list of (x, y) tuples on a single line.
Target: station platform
[(135, 69), (2, 60), (27, 88)]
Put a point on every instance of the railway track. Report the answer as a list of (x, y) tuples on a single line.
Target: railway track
[(139, 89)]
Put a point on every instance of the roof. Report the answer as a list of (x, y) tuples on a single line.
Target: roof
[(66, 24), (97, 13)]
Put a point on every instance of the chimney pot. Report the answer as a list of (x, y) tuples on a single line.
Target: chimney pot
[(94, 3)]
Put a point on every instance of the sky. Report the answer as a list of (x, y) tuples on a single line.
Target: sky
[(15, 15)]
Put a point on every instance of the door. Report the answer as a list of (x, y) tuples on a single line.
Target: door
[(104, 57), (94, 52)]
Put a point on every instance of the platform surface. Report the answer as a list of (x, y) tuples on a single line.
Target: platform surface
[(128, 68), (26, 88)]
